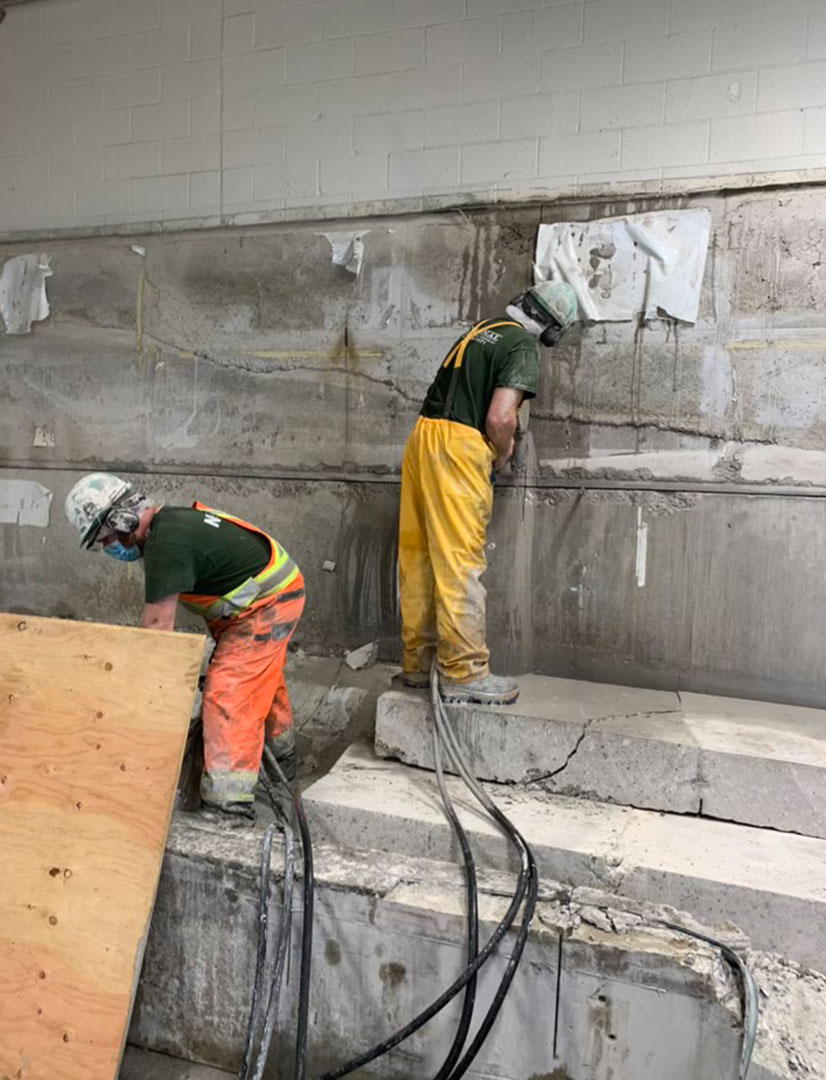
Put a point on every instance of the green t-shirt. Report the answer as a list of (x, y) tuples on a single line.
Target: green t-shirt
[(507, 356), (193, 551)]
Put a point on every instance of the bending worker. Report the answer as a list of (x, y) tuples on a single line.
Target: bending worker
[(251, 594), (466, 429)]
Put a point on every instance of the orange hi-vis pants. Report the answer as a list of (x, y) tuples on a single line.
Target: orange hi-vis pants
[(245, 695), (446, 503)]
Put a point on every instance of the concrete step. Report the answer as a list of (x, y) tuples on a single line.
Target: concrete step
[(747, 761), (771, 885)]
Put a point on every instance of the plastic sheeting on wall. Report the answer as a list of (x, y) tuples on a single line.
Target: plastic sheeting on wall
[(23, 297), (619, 267)]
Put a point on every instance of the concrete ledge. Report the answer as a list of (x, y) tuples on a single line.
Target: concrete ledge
[(746, 761), (771, 885)]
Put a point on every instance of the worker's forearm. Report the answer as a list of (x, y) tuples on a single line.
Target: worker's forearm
[(154, 622), (501, 436)]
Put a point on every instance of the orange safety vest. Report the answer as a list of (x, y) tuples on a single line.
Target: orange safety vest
[(279, 573)]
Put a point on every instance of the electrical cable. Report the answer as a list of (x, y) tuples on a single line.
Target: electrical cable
[(302, 1026), (524, 884), (751, 994), (283, 929), (261, 952), (448, 736), (472, 914)]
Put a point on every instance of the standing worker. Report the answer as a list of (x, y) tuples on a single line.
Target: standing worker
[(466, 429), (251, 594)]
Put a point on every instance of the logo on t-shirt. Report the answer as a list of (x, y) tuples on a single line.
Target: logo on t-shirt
[(211, 519), (488, 337)]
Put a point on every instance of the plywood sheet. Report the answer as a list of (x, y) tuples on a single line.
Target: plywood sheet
[(93, 721)]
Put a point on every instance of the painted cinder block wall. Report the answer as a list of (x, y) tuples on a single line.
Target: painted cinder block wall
[(244, 110)]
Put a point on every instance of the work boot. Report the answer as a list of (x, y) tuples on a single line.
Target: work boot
[(239, 815), (283, 749), (489, 690)]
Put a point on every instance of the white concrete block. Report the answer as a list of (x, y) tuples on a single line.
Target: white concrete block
[(424, 12), (68, 23), (205, 39), (473, 39), (545, 28), (794, 7), (421, 170), (575, 69), (120, 18), (801, 86), (81, 99), (105, 128), (622, 106), (817, 38), (326, 136), (758, 44), (565, 155), (355, 172), (475, 9), (770, 885), (236, 111), (418, 89), (176, 12), (285, 104), (314, 62), (253, 71), (346, 18), (814, 138), (295, 178), (205, 116), (356, 94), (505, 161), (293, 24), (195, 153), (505, 76), (99, 57), (132, 159), (155, 48), (705, 14), (160, 194), (766, 135), (552, 113), (674, 57), (453, 125), (608, 20), (249, 147), (236, 186), (104, 198), (205, 191), (195, 79), (52, 137), (710, 95), (239, 34), (383, 132), (82, 166), (132, 88), (673, 144), (160, 121), (392, 50)]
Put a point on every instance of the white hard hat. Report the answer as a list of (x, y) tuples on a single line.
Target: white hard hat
[(90, 500)]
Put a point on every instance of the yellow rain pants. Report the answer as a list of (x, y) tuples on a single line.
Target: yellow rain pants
[(446, 502)]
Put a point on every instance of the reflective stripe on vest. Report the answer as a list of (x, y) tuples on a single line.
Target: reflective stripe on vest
[(277, 575)]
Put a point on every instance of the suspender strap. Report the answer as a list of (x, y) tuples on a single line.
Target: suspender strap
[(457, 355)]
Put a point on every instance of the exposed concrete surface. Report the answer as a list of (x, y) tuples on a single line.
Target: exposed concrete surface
[(772, 885), (751, 762), (223, 352), (390, 929)]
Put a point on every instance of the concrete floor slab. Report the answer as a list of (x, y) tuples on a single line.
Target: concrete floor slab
[(771, 885), (751, 762)]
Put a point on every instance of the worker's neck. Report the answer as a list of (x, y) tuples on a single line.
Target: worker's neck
[(525, 321)]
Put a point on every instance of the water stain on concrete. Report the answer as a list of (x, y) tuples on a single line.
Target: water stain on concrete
[(392, 974), (332, 953), (559, 1073)]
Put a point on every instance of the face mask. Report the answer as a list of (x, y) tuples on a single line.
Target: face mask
[(121, 553)]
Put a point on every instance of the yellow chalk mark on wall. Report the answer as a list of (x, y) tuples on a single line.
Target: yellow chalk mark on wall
[(774, 343)]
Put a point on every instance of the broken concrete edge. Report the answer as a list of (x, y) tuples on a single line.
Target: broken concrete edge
[(698, 758), (628, 934)]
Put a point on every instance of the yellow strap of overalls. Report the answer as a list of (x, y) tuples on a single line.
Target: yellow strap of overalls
[(457, 355)]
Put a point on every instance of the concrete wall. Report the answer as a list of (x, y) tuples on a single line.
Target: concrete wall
[(216, 364), (172, 110)]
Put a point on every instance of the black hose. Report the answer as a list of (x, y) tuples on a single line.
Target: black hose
[(302, 1026), (447, 734), (472, 916), (261, 952)]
